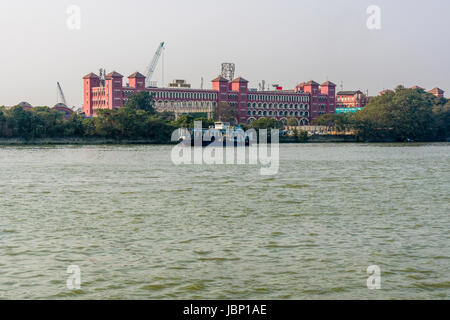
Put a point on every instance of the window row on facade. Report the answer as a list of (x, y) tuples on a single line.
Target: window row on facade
[(277, 106), (278, 113), (278, 98), (99, 103), (185, 95), (185, 104), (98, 93), (301, 122)]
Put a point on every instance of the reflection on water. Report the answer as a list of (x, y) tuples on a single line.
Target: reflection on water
[(140, 227)]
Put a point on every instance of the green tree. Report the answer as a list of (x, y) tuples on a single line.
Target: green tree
[(21, 122), (188, 121), (166, 116), (141, 101), (3, 128), (265, 123), (74, 126), (224, 112), (129, 123), (441, 115), (292, 122), (399, 116), (340, 121)]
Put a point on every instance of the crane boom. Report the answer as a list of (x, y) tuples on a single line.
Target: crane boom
[(61, 94), (151, 68)]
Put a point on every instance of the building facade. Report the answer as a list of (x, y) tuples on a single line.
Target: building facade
[(351, 99), (306, 102), (178, 83)]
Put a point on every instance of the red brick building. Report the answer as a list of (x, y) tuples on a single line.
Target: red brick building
[(304, 103), (351, 99)]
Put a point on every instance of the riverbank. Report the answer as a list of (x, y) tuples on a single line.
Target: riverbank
[(77, 141), (332, 138), (103, 141)]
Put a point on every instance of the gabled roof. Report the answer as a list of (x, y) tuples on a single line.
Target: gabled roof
[(137, 75), (90, 76), (436, 90), (329, 84), (220, 79), (417, 87), (311, 83), (348, 93), (240, 80), (24, 104), (61, 105), (300, 85), (114, 75), (385, 91)]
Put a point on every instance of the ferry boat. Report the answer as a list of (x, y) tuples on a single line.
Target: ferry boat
[(219, 134)]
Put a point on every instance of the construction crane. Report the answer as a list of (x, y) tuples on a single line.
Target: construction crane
[(60, 94), (151, 68)]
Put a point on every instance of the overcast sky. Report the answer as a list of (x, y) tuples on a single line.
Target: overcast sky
[(280, 41)]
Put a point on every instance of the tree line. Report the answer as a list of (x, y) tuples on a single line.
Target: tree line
[(399, 115), (136, 120)]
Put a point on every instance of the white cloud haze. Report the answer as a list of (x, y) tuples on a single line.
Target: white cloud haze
[(283, 41)]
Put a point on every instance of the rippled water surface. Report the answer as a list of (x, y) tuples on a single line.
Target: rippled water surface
[(140, 227)]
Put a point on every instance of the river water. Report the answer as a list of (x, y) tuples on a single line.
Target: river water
[(140, 227)]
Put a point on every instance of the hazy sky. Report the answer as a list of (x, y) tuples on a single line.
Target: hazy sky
[(280, 41)]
